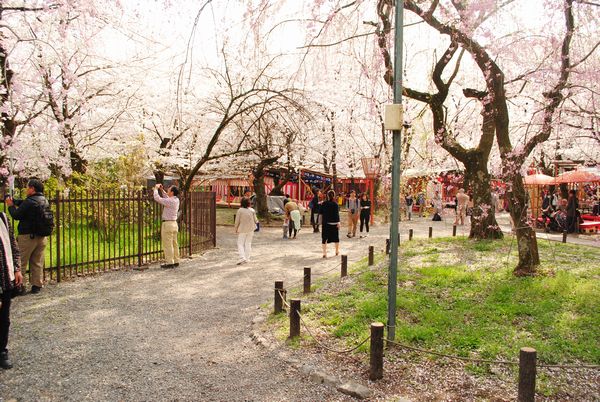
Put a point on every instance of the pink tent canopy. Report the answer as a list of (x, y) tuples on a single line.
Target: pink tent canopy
[(578, 176), (539, 179)]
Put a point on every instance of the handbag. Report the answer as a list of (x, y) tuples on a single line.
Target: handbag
[(257, 227)]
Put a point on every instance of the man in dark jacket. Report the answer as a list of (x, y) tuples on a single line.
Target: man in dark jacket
[(314, 210), (31, 245)]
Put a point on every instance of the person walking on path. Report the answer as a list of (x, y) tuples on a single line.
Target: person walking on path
[(32, 242), (365, 213), (353, 205), (409, 206), (245, 225), (292, 214), (437, 206), (314, 211), (330, 218), (10, 277), (572, 212), (462, 200), (169, 227)]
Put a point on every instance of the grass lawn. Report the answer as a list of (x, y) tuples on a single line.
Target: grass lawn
[(459, 297)]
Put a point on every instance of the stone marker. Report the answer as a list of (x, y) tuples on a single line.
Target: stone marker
[(355, 390)]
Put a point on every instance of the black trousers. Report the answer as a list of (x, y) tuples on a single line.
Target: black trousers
[(4, 320), (364, 219)]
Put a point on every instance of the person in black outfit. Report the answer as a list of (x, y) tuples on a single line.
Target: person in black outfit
[(365, 213), (10, 277), (572, 212), (329, 213), (314, 211)]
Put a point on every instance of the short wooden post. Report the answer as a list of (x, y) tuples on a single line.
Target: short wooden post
[(294, 318), (564, 237), (387, 246), (344, 265), (376, 351), (279, 297), (454, 230), (430, 232), (527, 362), (371, 255), (410, 234), (306, 280)]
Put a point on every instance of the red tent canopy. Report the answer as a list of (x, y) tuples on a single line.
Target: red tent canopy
[(539, 180), (578, 176)]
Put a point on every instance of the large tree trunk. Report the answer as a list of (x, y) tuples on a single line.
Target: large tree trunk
[(483, 218), (260, 202), (529, 258)]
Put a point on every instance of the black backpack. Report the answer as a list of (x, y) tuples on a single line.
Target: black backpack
[(44, 218)]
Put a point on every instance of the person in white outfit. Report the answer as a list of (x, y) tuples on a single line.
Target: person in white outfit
[(245, 224)]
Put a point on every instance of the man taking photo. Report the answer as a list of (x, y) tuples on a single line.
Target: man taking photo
[(35, 224)]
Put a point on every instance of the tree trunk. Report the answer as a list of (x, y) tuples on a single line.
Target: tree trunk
[(483, 218), (276, 190), (78, 164), (260, 202), (529, 258), (159, 176)]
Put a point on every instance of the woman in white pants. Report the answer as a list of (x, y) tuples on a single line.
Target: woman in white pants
[(245, 224)]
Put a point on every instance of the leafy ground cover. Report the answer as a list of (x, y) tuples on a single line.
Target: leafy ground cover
[(459, 297)]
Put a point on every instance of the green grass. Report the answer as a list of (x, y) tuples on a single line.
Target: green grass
[(459, 297)]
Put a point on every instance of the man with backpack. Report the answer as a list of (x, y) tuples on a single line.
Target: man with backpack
[(36, 222)]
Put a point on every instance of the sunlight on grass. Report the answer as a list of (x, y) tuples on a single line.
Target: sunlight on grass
[(473, 308)]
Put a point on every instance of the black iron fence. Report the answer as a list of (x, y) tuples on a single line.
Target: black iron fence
[(99, 231)]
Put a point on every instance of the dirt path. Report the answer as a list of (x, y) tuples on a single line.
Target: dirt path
[(179, 334)]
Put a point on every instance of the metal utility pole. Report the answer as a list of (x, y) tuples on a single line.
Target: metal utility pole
[(394, 238)]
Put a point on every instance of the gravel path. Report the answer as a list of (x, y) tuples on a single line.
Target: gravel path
[(176, 335), (180, 334)]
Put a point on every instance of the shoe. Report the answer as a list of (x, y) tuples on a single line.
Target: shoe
[(176, 265), (5, 362), (367, 235), (324, 255), (36, 289), (349, 235), (167, 266), (240, 262)]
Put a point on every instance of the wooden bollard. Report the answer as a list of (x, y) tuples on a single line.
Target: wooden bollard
[(279, 297), (410, 234), (306, 280), (387, 246), (454, 230), (527, 362), (371, 255), (565, 236), (376, 352), (430, 232), (294, 318), (344, 265)]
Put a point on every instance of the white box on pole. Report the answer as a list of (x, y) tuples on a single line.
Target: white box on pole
[(393, 117)]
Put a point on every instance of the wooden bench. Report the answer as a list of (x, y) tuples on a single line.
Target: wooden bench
[(589, 227)]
